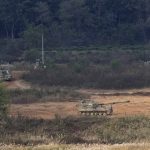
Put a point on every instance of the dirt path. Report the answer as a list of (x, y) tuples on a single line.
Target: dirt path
[(138, 104), (17, 84), (46, 110)]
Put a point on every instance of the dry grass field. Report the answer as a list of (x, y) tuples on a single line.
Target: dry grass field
[(139, 101), (139, 105)]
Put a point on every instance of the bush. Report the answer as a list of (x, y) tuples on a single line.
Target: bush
[(4, 103), (126, 129), (32, 55), (93, 76), (115, 64)]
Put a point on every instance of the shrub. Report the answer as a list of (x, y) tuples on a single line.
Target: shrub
[(21, 130), (126, 129), (4, 102), (115, 64)]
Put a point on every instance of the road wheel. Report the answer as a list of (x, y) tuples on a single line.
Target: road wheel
[(105, 114)]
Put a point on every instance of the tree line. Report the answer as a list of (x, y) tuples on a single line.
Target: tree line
[(67, 23)]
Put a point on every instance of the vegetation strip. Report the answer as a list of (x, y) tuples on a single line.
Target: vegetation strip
[(70, 130)]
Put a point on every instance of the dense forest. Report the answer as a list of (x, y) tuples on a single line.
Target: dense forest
[(69, 23)]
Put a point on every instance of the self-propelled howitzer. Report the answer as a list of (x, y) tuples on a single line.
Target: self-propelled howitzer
[(89, 107)]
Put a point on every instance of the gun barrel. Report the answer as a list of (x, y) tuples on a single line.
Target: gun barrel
[(119, 102)]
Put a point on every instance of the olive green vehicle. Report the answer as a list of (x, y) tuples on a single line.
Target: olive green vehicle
[(88, 107), (5, 74)]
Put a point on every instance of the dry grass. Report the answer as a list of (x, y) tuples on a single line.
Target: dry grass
[(27, 132), (44, 94), (46, 110), (142, 146), (138, 105)]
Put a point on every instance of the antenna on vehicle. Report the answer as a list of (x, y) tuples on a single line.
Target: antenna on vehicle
[(43, 53)]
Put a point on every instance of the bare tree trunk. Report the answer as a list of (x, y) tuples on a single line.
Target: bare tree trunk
[(6, 31), (12, 31)]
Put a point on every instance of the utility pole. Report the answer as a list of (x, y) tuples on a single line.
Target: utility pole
[(43, 57)]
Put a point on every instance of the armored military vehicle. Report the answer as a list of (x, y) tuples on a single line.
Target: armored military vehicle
[(5, 74), (89, 107)]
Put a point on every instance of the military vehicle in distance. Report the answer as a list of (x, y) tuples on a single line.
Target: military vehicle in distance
[(5, 74), (89, 107)]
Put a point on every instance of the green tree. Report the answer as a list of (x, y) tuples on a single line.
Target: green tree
[(11, 16), (32, 55), (76, 20), (43, 13)]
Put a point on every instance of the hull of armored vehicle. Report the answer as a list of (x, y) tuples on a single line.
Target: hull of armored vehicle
[(91, 108)]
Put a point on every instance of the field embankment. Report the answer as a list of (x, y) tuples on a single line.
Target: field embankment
[(133, 146)]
